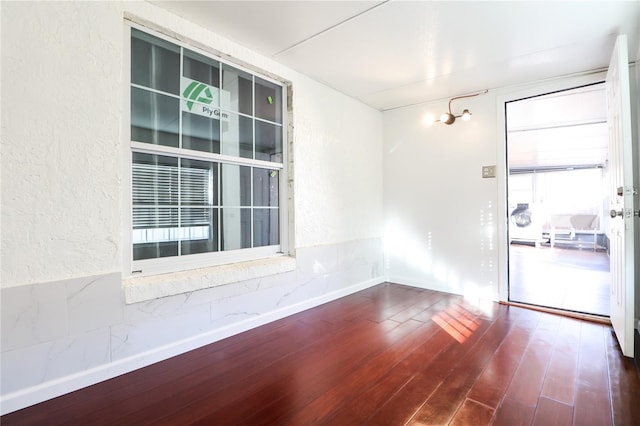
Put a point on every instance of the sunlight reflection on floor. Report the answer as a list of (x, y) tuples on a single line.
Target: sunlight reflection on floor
[(457, 321)]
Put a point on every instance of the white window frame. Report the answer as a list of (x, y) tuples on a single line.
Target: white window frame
[(163, 265)]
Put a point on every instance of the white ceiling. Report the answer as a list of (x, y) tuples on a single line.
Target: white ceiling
[(396, 53)]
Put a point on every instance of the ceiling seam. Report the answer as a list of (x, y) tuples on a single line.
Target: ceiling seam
[(332, 27)]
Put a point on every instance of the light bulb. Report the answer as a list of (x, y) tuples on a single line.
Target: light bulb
[(428, 119), (447, 118), (466, 115)]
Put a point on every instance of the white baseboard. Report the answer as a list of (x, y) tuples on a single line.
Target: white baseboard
[(430, 285), (419, 284), (51, 389)]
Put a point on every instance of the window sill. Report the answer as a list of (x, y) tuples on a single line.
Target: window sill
[(153, 287)]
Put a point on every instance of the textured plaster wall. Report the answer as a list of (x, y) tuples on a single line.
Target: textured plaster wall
[(338, 163), (63, 153), (61, 120)]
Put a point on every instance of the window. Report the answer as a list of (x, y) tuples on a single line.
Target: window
[(207, 159)]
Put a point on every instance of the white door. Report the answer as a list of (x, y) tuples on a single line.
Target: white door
[(621, 196)]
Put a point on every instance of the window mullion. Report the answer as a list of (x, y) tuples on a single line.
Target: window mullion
[(157, 215), (180, 100), (253, 127), (219, 167), (154, 107), (179, 233), (253, 114), (204, 156), (178, 236), (156, 91), (219, 204), (251, 206)]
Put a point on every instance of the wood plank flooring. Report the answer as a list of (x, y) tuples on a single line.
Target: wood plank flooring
[(389, 355), (562, 278)]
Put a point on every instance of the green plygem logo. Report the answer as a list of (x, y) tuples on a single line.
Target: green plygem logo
[(197, 92)]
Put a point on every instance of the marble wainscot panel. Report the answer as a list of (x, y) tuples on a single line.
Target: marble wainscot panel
[(64, 335), (37, 364), (57, 329)]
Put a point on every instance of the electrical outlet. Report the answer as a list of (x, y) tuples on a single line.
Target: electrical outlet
[(488, 171)]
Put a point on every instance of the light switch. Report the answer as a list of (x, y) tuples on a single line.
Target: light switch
[(488, 171)]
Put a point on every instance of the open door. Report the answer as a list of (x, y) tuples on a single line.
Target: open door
[(621, 196)]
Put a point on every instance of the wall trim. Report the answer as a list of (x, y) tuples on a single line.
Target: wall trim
[(427, 285), (33, 395)]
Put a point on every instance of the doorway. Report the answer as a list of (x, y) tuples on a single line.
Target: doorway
[(557, 199)]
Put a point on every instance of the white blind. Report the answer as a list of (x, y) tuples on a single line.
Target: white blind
[(155, 217), (155, 184), (194, 217), (155, 190), (196, 186)]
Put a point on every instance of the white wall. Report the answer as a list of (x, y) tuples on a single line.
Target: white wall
[(64, 320), (440, 214)]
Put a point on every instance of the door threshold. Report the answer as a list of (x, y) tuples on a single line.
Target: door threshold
[(577, 315)]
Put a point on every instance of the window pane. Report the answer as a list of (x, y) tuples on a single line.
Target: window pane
[(155, 179), (154, 232), (265, 227), (268, 101), (184, 202), (236, 228), (154, 118), (198, 183), (198, 230), (237, 136), (265, 187), (155, 184), (235, 185), (200, 133), (155, 250), (201, 68), (268, 142), (155, 63), (237, 90)]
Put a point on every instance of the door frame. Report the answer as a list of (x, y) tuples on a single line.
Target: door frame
[(522, 92)]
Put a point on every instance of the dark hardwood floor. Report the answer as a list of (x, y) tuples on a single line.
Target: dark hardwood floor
[(389, 355)]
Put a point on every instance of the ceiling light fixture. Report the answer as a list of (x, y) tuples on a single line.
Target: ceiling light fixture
[(449, 118)]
